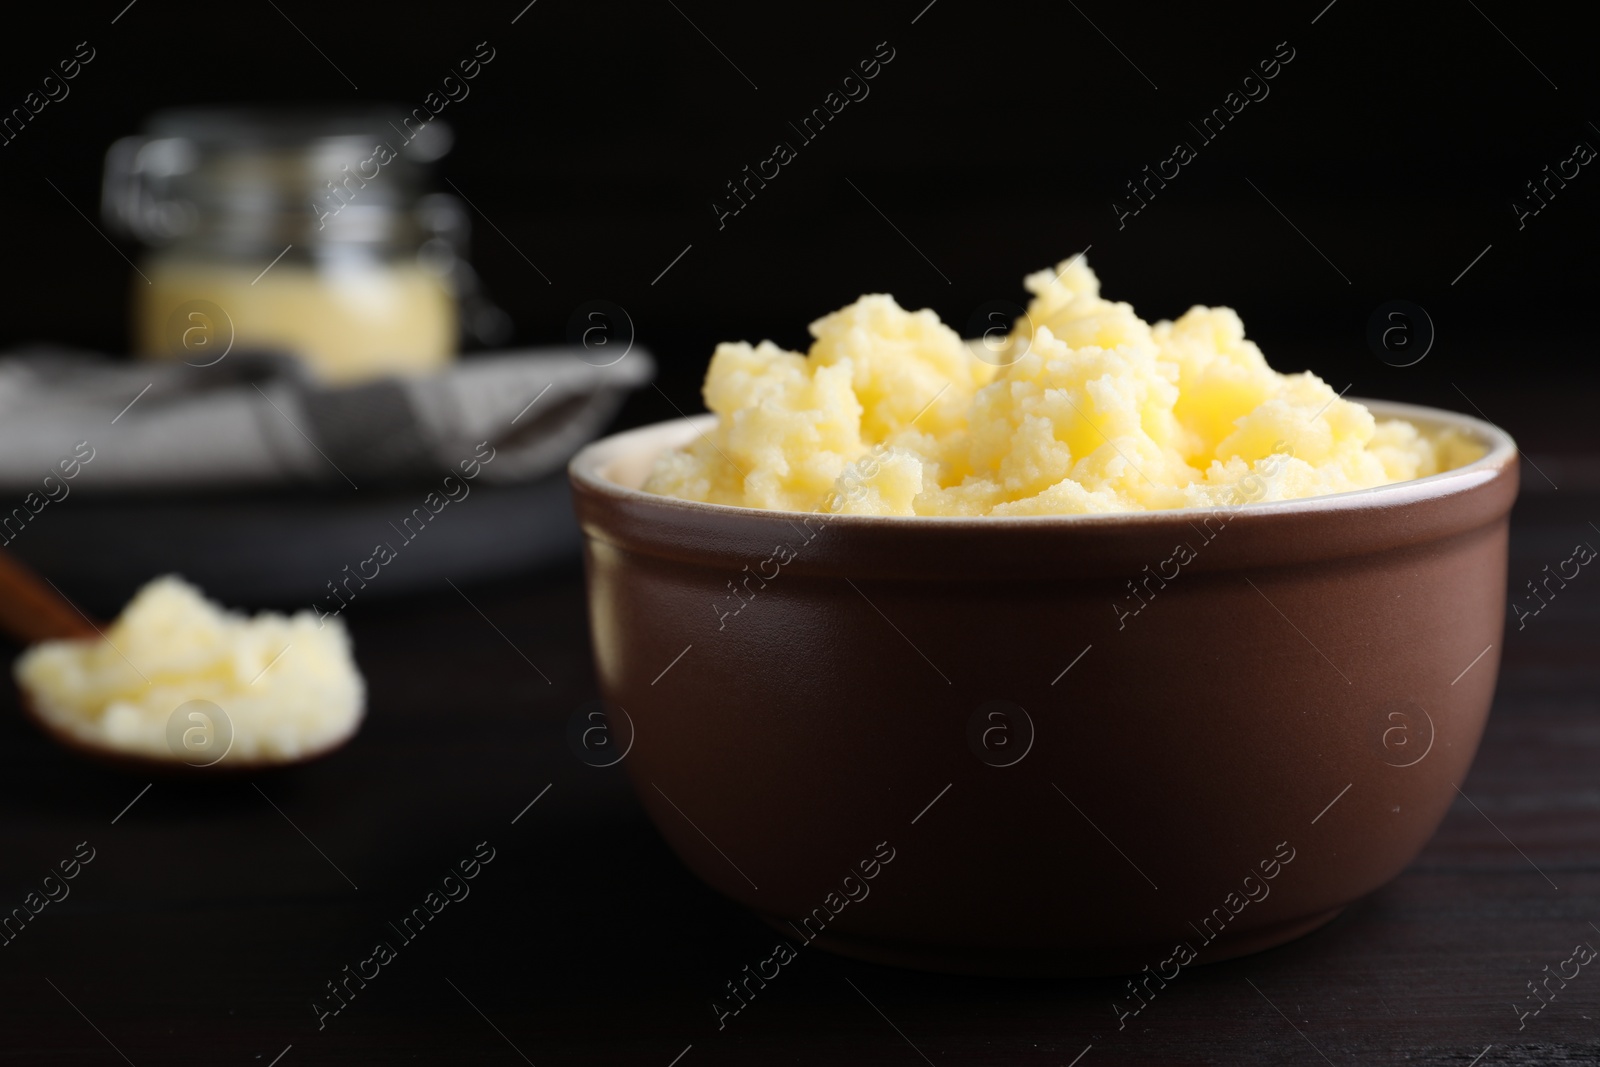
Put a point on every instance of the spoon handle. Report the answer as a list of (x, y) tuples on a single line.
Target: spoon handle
[(32, 610)]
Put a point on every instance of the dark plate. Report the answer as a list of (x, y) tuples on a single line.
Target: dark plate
[(284, 549)]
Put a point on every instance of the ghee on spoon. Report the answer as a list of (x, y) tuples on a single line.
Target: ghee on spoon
[(177, 682)]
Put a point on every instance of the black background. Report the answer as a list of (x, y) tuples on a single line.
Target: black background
[(995, 141)]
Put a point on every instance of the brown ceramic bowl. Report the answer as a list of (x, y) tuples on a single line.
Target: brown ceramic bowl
[(1060, 787)]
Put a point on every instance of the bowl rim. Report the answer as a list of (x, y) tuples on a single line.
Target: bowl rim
[(588, 471)]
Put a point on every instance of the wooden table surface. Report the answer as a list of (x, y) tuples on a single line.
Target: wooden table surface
[(213, 914)]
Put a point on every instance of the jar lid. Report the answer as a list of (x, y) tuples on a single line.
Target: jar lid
[(253, 178)]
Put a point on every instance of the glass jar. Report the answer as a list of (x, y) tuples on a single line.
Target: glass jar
[(304, 231)]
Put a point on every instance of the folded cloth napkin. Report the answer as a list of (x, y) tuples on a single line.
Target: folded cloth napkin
[(258, 420)]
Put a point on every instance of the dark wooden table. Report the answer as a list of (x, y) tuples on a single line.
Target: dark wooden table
[(214, 914)]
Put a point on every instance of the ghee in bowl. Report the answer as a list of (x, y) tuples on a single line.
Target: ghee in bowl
[(1203, 593), (1084, 408)]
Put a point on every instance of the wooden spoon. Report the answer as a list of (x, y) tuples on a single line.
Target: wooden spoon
[(32, 610)]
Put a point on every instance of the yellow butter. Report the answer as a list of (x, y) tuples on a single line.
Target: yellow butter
[(287, 685), (347, 321), (1083, 408)]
